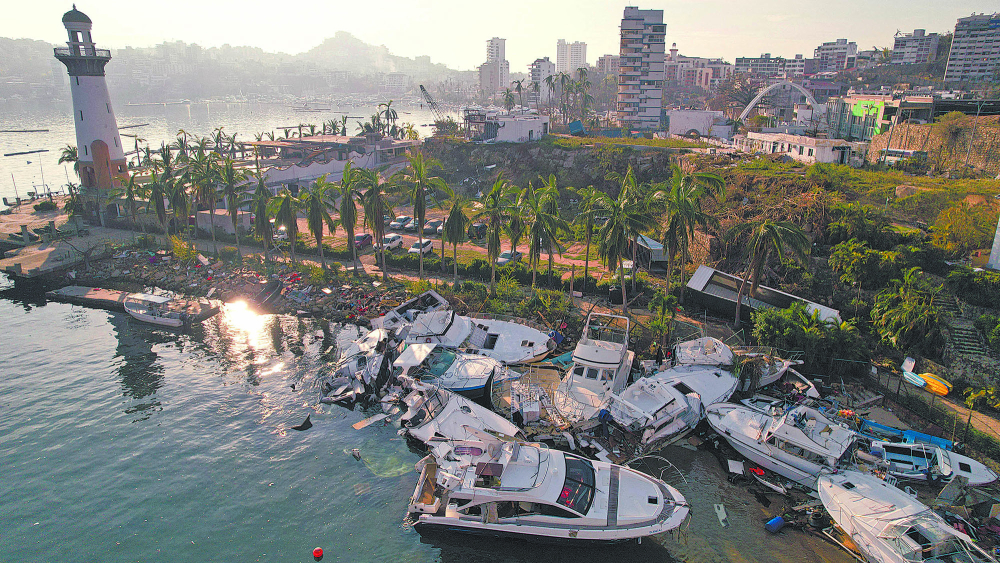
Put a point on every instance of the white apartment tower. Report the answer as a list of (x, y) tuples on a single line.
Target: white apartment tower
[(570, 56), (835, 56), (539, 70), (914, 48), (99, 146), (975, 48), (640, 69), (494, 74)]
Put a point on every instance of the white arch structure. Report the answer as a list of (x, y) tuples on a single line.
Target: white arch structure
[(809, 97)]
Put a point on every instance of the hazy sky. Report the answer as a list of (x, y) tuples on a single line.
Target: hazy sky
[(454, 32)]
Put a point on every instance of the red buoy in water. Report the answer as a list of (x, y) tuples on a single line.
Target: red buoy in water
[(318, 553)]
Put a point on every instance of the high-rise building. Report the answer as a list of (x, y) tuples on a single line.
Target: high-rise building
[(834, 56), (539, 70), (608, 64), (975, 48), (914, 48), (100, 154), (640, 70), (494, 74), (694, 72), (570, 56)]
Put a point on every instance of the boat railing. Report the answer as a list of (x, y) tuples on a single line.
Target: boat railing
[(532, 384), (510, 319), (790, 355)]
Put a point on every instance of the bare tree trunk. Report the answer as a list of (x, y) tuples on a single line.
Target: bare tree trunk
[(454, 259), (322, 258), (420, 238), (211, 212), (586, 262)]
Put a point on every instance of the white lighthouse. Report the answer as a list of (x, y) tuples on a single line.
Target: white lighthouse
[(99, 146)]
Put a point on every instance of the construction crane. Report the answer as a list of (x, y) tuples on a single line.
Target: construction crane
[(438, 116)]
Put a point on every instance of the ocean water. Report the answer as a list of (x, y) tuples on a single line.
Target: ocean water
[(159, 123), (124, 442)]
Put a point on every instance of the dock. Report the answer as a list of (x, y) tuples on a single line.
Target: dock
[(114, 300)]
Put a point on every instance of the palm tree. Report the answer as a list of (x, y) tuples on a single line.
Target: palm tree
[(591, 204), (518, 87), (551, 84), (349, 194), (262, 223), (514, 226), (508, 99), (284, 207), (683, 213), (905, 315), (455, 230), (133, 192), (230, 178), (375, 203), (494, 213), (317, 208), (629, 215), (389, 115), (545, 221), (157, 195), (203, 174), (420, 184), (564, 82), (766, 237), (69, 154)]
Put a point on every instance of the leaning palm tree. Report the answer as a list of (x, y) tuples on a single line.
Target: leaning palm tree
[(493, 212), (231, 179), (349, 196), (417, 178), (318, 208), (767, 237), (68, 154), (455, 230), (284, 208), (682, 196), (375, 203), (262, 222), (628, 215)]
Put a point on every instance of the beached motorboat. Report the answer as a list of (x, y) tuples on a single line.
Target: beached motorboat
[(154, 309), (889, 526), (925, 462), (706, 351), (798, 443), (471, 375), (602, 363), (433, 414), (511, 341), (364, 367), (268, 293), (513, 489), (405, 312), (665, 407)]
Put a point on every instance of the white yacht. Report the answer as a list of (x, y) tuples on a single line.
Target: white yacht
[(889, 526), (511, 341), (153, 309), (927, 462), (435, 414), (601, 365), (665, 407), (798, 443), (471, 375), (405, 312), (512, 489), (705, 351)]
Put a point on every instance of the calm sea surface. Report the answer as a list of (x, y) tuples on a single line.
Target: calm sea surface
[(123, 442)]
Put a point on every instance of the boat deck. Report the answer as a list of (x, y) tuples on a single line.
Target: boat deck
[(114, 300)]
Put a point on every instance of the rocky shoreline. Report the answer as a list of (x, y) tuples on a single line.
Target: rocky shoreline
[(354, 300)]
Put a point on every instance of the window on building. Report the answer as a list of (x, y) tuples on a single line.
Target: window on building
[(800, 150), (81, 115), (810, 152)]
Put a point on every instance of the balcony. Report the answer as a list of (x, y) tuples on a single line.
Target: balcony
[(82, 51)]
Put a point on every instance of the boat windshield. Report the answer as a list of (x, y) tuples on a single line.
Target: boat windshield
[(438, 364), (578, 489)]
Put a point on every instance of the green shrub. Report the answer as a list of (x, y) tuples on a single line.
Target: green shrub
[(46, 206), (146, 242), (477, 290), (978, 288), (228, 253)]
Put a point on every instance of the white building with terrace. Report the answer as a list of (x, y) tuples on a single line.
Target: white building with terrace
[(808, 150)]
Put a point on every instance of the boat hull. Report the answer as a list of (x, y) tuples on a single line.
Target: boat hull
[(443, 530), (159, 321)]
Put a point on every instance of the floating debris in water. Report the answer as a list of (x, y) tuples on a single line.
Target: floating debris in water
[(356, 453), (306, 424)]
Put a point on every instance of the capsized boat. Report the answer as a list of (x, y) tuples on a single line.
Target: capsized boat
[(471, 375), (434, 414), (514, 489), (602, 363), (890, 526), (798, 443), (364, 366), (154, 309), (925, 462), (405, 312), (664, 407), (509, 340)]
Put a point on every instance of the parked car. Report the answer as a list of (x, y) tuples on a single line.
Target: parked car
[(281, 233), (477, 231), (387, 220), (411, 226), (392, 241), (400, 222), (508, 257), (417, 249), (431, 227), (363, 240)]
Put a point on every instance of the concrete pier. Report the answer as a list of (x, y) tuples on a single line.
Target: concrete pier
[(114, 300)]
